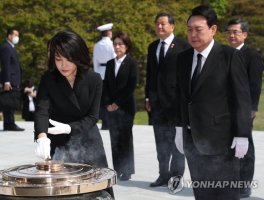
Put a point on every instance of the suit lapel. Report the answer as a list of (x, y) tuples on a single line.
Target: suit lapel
[(112, 71), (187, 70), (244, 47), (154, 51), (66, 89), (122, 67), (171, 47), (207, 67)]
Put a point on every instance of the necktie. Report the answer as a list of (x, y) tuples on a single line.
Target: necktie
[(197, 70), (161, 53)]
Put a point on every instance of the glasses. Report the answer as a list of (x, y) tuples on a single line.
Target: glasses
[(118, 44), (233, 32)]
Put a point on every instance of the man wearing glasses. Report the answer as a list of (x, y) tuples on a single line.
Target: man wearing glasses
[(237, 32)]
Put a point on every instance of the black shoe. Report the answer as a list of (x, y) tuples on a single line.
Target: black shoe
[(13, 128), (159, 182), (124, 177), (245, 192)]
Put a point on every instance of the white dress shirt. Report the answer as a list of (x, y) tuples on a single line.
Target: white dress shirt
[(118, 63), (204, 54), (240, 46), (167, 43)]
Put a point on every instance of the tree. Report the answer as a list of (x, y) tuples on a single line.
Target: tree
[(39, 20)]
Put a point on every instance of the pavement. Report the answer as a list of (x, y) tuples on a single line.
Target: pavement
[(17, 148)]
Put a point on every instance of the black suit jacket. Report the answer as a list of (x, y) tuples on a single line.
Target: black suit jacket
[(161, 81), (255, 67), (218, 109), (78, 107), (120, 89), (11, 71)]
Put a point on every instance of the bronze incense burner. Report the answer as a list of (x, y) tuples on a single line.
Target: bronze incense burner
[(55, 178)]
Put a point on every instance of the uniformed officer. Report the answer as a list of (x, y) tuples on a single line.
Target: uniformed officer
[(103, 51)]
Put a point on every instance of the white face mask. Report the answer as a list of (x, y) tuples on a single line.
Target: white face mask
[(15, 40)]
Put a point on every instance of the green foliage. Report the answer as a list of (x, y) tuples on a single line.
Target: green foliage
[(141, 118), (39, 20)]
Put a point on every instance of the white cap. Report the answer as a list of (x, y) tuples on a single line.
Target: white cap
[(105, 27)]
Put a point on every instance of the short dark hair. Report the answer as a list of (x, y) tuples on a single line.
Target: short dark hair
[(10, 31), (163, 14), (205, 11), (71, 46), (243, 23), (125, 38)]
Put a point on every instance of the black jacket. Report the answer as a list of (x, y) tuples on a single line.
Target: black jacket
[(218, 109), (161, 81), (120, 89), (255, 67), (78, 107), (10, 67)]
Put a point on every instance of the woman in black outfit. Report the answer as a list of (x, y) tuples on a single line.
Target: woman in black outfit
[(119, 86), (68, 98)]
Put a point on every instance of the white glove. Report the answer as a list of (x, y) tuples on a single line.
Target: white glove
[(241, 144), (43, 148), (59, 128), (179, 139)]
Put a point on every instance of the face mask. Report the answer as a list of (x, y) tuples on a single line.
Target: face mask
[(15, 40)]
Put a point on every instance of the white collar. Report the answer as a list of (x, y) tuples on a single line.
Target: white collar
[(120, 60), (106, 38), (169, 39), (10, 43), (240, 46), (206, 51)]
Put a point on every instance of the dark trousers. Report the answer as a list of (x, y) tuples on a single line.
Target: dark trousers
[(103, 117), (171, 161), (9, 119), (247, 164), (149, 118), (120, 128), (213, 169)]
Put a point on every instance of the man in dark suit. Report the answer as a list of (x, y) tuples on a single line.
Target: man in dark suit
[(215, 109), (237, 32), (160, 96), (10, 74)]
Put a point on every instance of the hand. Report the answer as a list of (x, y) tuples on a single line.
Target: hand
[(109, 108), (43, 148), (112, 107), (59, 128), (7, 86), (27, 89), (241, 144), (115, 106), (147, 106), (179, 139), (253, 114)]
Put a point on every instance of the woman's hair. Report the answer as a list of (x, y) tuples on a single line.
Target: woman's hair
[(126, 40), (71, 46)]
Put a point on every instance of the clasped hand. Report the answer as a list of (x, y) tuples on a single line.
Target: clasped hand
[(112, 107), (241, 146), (59, 128)]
